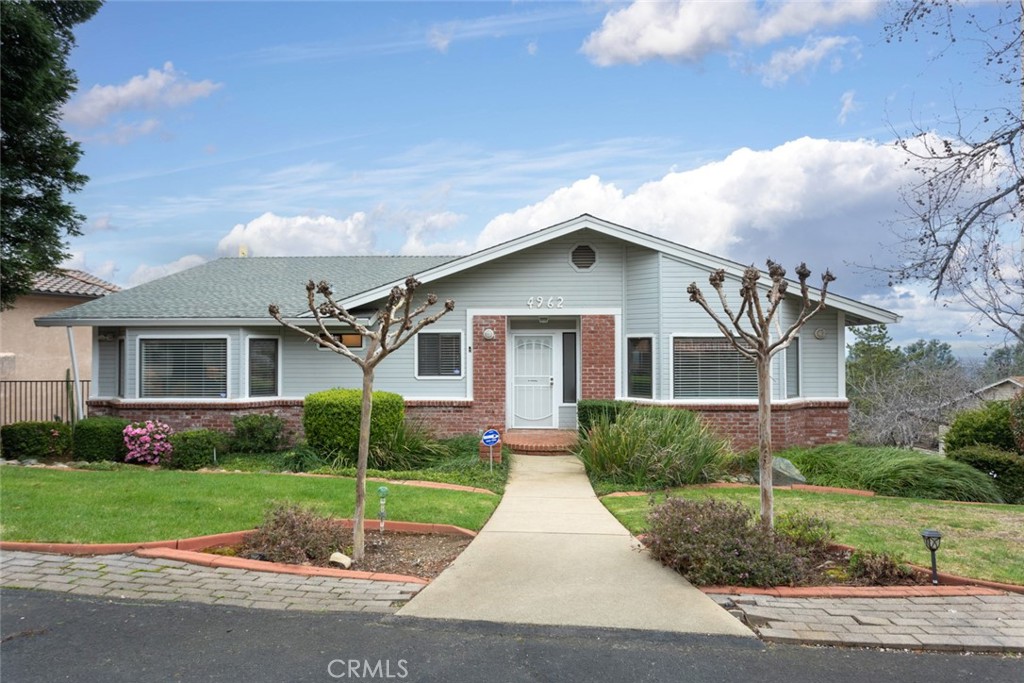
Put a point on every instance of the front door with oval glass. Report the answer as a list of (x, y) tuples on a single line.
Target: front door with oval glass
[(533, 380)]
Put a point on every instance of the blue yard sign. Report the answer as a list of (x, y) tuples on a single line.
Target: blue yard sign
[(491, 438)]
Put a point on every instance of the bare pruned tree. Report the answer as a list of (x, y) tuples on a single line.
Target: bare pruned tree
[(749, 330), (387, 330), (961, 229)]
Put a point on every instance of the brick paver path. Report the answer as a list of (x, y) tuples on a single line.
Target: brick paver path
[(982, 623), (127, 576)]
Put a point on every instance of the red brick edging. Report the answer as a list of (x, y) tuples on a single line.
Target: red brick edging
[(186, 550)]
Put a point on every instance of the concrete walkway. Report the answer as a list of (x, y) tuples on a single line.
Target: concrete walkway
[(552, 554)]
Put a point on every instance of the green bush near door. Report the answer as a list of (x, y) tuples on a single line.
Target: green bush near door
[(331, 420)]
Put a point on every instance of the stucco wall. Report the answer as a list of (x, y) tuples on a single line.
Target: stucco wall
[(41, 352)]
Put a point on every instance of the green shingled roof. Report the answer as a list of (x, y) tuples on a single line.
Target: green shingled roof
[(243, 287)]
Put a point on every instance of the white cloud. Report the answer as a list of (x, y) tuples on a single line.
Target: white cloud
[(809, 199), (422, 235), (676, 31), (690, 30), (105, 270), (273, 235), (925, 318), (145, 273), (101, 223), (439, 39), (532, 48), (848, 105), (123, 133), (793, 60), (158, 89)]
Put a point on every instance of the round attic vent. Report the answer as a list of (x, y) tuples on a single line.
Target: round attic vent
[(583, 257)]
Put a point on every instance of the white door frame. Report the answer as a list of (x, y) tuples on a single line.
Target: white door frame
[(556, 374)]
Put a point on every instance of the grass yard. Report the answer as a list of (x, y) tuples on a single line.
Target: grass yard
[(149, 505), (979, 541)]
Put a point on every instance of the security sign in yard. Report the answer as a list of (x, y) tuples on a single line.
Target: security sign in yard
[(491, 438)]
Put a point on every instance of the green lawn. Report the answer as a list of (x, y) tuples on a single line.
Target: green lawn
[(149, 505), (979, 541)]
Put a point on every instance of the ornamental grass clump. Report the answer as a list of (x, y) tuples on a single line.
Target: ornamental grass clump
[(712, 542), (147, 442), (649, 448)]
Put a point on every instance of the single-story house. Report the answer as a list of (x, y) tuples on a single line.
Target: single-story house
[(584, 309)]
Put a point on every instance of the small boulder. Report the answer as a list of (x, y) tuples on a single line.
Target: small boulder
[(784, 473), (340, 560)]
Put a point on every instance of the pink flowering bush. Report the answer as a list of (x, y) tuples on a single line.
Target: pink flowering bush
[(147, 442)]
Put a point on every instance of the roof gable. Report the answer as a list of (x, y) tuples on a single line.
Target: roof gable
[(70, 282)]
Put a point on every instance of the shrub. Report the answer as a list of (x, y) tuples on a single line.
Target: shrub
[(195, 449), (35, 440), (331, 420), (881, 569), (99, 439), (1017, 421), (1005, 468), (893, 472), (408, 447), (652, 447), (257, 433), (295, 535), (805, 531), (591, 411), (713, 542), (147, 442), (989, 424)]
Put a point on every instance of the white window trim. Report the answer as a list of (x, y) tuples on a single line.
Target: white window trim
[(654, 367), (462, 356), (180, 399), (244, 379), (672, 375)]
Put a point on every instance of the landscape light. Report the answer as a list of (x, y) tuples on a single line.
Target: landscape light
[(932, 539)]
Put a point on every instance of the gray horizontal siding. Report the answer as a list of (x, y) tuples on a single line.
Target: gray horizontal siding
[(106, 369)]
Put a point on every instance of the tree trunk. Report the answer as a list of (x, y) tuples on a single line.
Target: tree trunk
[(764, 440), (358, 539)]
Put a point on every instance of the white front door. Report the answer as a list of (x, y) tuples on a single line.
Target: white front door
[(533, 380)]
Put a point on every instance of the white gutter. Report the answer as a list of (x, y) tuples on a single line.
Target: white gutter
[(74, 373)]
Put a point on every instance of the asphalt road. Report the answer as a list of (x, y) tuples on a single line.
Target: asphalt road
[(49, 637)]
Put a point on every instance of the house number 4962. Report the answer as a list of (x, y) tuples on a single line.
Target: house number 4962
[(545, 302)]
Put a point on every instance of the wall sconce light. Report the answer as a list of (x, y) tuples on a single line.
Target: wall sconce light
[(489, 334), (932, 539), (542, 321)]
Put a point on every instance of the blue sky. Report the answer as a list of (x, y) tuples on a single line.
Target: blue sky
[(747, 129)]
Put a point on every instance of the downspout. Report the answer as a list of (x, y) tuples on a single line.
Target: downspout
[(74, 374)]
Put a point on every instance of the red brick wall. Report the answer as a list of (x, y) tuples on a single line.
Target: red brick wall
[(804, 423), (182, 415), (487, 409), (597, 356)]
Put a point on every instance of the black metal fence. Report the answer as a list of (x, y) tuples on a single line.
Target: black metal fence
[(39, 399)]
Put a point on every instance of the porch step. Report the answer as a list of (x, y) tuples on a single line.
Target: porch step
[(541, 441)]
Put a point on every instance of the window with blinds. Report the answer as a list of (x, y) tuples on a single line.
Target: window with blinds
[(263, 367), (639, 368), (183, 368), (439, 354), (705, 367), (793, 369)]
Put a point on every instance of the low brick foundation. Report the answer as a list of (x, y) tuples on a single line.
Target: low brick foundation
[(802, 423)]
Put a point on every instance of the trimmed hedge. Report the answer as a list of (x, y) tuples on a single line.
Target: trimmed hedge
[(194, 449), (989, 424), (589, 412), (1005, 468), (100, 438), (257, 433), (35, 440), (331, 421), (1017, 421)]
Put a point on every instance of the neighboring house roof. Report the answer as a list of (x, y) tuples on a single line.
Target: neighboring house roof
[(1018, 381), (241, 288), (70, 282)]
